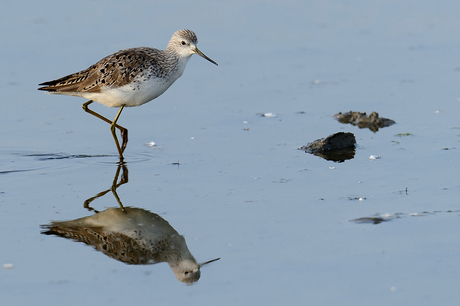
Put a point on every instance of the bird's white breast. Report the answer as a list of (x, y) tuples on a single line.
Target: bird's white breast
[(143, 89)]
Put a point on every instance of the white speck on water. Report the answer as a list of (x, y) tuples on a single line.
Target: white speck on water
[(192, 138), (331, 168), (393, 288), (150, 144), (245, 122), (318, 82), (374, 157), (8, 266), (268, 115)]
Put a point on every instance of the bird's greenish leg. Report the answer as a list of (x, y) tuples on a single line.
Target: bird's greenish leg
[(113, 125)]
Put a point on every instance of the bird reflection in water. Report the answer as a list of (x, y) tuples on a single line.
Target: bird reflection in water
[(132, 235)]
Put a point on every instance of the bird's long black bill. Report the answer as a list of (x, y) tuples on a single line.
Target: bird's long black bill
[(197, 51), (208, 262)]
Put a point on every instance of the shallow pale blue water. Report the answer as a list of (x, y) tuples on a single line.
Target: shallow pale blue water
[(278, 218)]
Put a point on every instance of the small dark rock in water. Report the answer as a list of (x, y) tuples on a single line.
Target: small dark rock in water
[(337, 147), (372, 122)]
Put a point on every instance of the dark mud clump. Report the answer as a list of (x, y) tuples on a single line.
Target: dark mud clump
[(373, 122), (337, 147)]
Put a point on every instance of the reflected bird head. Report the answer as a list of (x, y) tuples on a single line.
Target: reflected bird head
[(188, 271)]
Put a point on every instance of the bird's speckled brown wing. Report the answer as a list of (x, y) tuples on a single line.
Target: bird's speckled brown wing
[(116, 245), (119, 68)]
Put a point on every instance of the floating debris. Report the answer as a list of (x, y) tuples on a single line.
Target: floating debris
[(403, 134), (373, 122), (337, 147), (150, 144), (357, 198), (379, 218), (373, 220), (374, 157), (283, 180), (268, 115), (8, 266)]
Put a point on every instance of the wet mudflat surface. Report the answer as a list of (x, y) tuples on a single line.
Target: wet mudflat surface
[(289, 227)]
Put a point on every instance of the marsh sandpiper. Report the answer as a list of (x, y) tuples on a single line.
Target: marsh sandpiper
[(130, 77)]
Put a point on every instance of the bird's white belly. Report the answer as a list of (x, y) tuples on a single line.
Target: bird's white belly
[(133, 94)]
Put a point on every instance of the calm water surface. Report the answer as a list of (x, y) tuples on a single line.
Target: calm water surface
[(228, 180)]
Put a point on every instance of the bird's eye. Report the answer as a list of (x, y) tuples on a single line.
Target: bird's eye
[(183, 43), (186, 272)]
